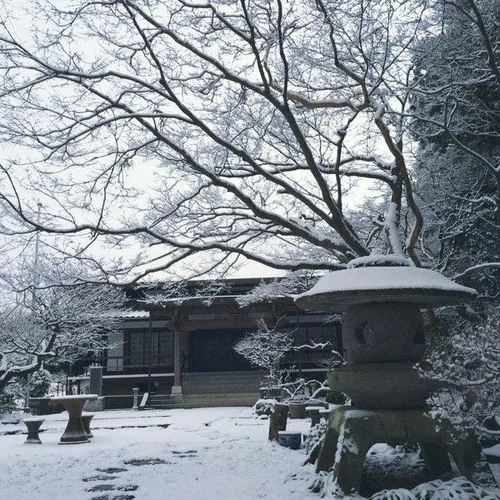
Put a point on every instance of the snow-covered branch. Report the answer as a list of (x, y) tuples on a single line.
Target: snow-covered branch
[(205, 131), (478, 268)]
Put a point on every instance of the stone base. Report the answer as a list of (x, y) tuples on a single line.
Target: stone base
[(33, 424), (352, 432), (176, 390)]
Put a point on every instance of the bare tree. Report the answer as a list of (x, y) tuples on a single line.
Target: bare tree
[(197, 133), (54, 323), (456, 120), (265, 347)]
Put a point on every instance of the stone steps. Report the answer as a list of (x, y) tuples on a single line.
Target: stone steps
[(222, 382), (210, 389), (204, 401)]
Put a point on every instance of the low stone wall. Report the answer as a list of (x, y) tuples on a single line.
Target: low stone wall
[(44, 406)]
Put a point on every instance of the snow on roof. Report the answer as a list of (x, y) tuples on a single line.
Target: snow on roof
[(362, 285)]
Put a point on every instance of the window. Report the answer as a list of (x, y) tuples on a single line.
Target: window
[(147, 349)]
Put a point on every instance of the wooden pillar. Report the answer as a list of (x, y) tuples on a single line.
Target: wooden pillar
[(177, 387)]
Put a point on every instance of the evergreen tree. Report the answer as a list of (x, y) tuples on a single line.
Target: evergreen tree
[(456, 100)]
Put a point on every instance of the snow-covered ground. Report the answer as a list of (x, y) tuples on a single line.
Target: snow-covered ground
[(199, 454), (204, 454)]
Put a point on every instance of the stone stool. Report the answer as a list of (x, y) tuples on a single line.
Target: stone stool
[(290, 439), (352, 432), (277, 420), (33, 424), (86, 419), (313, 412)]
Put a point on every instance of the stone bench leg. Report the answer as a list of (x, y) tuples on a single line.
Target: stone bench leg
[(314, 414)]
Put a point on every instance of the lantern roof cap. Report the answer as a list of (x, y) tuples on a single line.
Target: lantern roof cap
[(383, 279)]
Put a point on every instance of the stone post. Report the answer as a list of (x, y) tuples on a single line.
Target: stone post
[(136, 398), (177, 387)]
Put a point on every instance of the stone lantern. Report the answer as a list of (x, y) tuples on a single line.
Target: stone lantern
[(381, 298)]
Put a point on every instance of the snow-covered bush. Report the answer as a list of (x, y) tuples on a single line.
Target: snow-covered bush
[(468, 355), (314, 441), (40, 382), (264, 407), (457, 488), (8, 397), (454, 489)]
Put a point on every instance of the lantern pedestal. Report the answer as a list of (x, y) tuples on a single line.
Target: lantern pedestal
[(352, 432)]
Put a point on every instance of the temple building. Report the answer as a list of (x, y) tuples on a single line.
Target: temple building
[(179, 347)]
